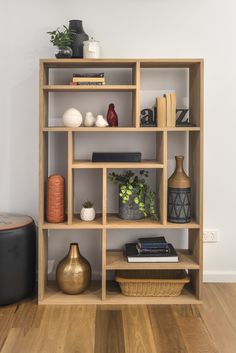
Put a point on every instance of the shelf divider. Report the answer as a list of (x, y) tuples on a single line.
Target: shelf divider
[(136, 95), (70, 179)]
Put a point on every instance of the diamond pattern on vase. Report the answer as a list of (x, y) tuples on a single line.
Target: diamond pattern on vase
[(179, 205)]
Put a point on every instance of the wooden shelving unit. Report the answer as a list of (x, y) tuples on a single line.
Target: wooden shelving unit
[(104, 292)]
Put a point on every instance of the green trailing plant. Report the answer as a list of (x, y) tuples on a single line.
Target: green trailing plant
[(135, 186), (87, 204), (61, 39)]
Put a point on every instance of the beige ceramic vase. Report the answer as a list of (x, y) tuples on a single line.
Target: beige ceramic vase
[(73, 273)]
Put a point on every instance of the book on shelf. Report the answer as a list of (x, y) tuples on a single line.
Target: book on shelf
[(88, 79), (86, 83), (134, 256), (152, 243), (173, 109), (91, 75), (166, 110), (161, 111), (166, 249)]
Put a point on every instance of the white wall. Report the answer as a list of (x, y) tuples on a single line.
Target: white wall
[(126, 28)]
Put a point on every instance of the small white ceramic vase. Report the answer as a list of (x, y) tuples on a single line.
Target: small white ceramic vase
[(89, 119), (87, 214), (101, 122), (72, 118)]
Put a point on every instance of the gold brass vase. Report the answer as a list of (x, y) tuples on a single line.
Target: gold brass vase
[(73, 273)]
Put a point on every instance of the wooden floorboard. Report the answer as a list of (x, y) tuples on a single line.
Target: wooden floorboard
[(26, 327)]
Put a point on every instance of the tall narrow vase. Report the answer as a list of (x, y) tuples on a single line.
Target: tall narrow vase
[(79, 36), (73, 273), (179, 194)]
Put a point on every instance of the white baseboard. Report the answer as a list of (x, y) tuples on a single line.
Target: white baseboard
[(219, 276)]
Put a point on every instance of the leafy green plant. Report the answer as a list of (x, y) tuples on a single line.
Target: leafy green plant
[(87, 204), (136, 186), (61, 39)]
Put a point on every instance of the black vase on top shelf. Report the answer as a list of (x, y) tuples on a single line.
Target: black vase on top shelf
[(79, 37)]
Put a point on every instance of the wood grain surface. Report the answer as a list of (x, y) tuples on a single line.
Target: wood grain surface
[(208, 328)]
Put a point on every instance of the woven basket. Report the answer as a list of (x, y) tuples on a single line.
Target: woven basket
[(152, 283), (55, 205)]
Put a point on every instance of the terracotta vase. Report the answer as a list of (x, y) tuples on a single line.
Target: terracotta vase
[(112, 117), (55, 199), (179, 194), (73, 273)]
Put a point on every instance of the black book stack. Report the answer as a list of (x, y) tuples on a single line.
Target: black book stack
[(154, 249)]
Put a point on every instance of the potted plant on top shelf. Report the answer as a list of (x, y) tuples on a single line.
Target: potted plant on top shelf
[(62, 40), (136, 199)]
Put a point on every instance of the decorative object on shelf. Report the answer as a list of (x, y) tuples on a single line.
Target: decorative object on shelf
[(87, 212), (55, 199), (89, 119), (73, 274), (170, 109), (72, 118), (101, 122), (179, 194), (78, 37), (161, 111), (116, 157), (91, 49), (112, 117), (136, 199), (147, 118), (88, 79), (17, 257), (182, 120), (135, 254), (62, 40), (152, 283)]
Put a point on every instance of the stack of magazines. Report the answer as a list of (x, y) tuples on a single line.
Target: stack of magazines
[(154, 249)]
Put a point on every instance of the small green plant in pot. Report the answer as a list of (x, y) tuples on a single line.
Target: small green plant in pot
[(87, 212), (62, 40), (136, 199)]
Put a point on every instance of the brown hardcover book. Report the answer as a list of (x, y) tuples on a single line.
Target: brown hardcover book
[(173, 109), (168, 110), (161, 111)]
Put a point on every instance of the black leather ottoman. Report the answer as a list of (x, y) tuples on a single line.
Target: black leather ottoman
[(17, 257)]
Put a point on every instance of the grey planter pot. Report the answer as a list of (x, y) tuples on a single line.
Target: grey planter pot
[(130, 210)]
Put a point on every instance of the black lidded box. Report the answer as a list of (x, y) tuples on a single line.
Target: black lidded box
[(116, 157)]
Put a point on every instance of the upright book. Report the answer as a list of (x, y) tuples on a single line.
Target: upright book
[(161, 111)]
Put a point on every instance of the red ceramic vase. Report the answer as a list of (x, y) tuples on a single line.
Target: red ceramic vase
[(112, 117)]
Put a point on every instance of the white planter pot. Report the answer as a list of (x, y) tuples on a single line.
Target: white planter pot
[(87, 214)]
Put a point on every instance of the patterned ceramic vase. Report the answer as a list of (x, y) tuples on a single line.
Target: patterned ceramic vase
[(179, 194)]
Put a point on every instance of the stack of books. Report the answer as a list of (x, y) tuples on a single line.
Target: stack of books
[(154, 249), (166, 110), (88, 79)]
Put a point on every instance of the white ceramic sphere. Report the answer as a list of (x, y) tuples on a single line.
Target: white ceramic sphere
[(87, 214), (72, 118)]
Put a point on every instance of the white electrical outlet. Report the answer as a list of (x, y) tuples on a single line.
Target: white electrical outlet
[(211, 236)]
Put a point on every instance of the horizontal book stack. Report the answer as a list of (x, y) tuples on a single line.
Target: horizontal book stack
[(88, 79), (166, 110), (154, 249)]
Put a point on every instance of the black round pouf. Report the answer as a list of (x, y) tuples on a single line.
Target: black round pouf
[(17, 257)]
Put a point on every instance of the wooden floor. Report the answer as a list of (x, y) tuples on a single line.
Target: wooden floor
[(209, 328)]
